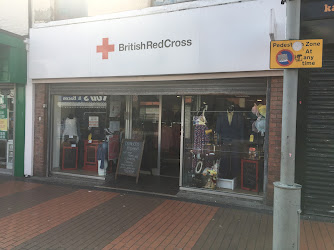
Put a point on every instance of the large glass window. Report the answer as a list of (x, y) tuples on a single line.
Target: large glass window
[(223, 137), (224, 142), (7, 129), (87, 133)]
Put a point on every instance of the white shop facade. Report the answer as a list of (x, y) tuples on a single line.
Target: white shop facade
[(193, 83)]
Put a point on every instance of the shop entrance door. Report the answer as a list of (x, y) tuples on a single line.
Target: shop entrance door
[(157, 119), (145, 113), (170, 136)]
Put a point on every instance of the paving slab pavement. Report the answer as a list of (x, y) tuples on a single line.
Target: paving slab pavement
[(44, 216)]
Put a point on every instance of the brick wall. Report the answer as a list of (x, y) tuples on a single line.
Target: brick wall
[(275, 128), (40, 126)]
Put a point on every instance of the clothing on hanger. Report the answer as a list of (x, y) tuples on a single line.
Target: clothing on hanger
[(70, 128), (229, 127)]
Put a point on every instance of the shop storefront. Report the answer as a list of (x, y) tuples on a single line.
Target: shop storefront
[(214, 133), (315, 115), (165, 86), (12, 103)]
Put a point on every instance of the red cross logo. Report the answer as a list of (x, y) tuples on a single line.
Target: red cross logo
[(105, 48)]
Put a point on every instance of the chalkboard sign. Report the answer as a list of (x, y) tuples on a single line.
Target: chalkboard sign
[(251, 174), (130, 157)]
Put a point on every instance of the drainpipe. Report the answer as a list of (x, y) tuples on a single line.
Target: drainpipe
[(287, 194)]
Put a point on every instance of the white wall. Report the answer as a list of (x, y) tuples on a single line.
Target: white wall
[(14, 16), (42, 10), (100, 7)]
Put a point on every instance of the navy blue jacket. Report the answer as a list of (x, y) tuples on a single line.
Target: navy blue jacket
[(227, 132)]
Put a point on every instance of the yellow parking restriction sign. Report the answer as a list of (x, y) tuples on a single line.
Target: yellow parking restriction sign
[(296, 54)]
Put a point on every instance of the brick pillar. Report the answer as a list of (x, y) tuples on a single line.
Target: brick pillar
[(275, 129), (40, 136)]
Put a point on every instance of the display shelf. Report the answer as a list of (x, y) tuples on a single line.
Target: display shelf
[(90, 155), (70, 158)]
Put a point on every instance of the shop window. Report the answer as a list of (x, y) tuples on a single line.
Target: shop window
[(6, 129), (83, 128), (224, 142)]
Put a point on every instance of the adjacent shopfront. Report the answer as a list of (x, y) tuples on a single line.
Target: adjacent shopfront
[(12, 103), (199, 98), (315, 115)]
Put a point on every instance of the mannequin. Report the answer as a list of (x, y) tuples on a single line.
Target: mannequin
[(71, 129), (229, 129)]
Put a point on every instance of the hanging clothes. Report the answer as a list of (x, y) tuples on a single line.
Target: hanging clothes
[(102, 151), (200, 139), (229, 126), (230, 130)]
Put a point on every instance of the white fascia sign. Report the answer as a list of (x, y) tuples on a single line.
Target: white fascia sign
[(223, 38)]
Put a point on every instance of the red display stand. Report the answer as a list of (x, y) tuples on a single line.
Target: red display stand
[(90, 155), (70, 158)]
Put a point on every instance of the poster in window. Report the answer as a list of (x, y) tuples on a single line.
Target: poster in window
[(93, 122), (3, 125), (115, 106), (114, 126)]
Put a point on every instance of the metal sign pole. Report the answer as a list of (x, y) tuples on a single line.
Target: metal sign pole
[(287, 194)]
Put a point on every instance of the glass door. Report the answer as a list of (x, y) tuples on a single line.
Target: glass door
[(170, 136), (145, 125)]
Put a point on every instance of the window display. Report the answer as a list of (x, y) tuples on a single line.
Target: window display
[(223, 137), (220, 133), (87, 133)]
